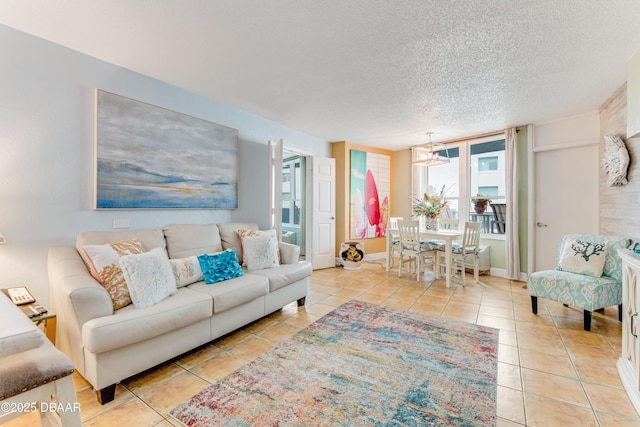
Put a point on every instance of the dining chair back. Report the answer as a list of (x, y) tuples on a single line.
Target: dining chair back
[(411, 248), (465, 250), (448, 223), (395, 237), (393, 222)]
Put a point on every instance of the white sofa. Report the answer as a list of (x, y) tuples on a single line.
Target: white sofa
[(107, 346)]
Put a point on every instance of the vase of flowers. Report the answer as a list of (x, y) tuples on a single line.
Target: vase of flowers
[(430, 205), (480, 203)]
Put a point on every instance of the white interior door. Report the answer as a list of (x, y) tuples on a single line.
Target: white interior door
[(324, 213), (565, 199)]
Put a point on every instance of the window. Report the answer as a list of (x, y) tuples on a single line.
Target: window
[(488, 164), (477, 167), (291, 192), (488, 190)]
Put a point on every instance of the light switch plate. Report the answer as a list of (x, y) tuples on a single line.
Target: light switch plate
[(121, 223)]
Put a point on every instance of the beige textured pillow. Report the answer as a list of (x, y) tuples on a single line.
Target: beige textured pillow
[(260, 252), (247, 234), (106, 269)]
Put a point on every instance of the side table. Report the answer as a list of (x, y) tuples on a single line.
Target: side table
[(48, 320), (50, 324)]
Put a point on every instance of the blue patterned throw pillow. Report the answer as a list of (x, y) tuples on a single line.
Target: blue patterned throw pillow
[(219, 267)]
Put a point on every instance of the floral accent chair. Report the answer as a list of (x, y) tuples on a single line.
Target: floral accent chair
[(588, 276)]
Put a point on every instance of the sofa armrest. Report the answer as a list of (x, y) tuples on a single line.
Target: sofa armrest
[(76, 297), (289, 254)]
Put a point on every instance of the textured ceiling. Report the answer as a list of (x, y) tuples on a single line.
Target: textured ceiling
[(372, 72)]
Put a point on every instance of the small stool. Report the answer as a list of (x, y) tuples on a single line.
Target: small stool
[(39, 380)]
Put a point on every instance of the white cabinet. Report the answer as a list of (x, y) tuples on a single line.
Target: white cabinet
[(629, 362)]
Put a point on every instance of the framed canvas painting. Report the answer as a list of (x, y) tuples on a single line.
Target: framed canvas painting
[(370, 188), (148, 157)]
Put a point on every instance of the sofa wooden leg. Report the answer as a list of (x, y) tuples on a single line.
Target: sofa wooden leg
[(534, 304), (106, 394), (620, 312), (587, 320), (301, 301)]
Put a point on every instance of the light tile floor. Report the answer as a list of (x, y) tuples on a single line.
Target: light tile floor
[(550, 371)]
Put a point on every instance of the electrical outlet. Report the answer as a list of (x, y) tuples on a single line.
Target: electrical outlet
[(121, 223)]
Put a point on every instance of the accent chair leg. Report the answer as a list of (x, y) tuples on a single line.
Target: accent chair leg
[(587, 320), (301, 301), (106, 394), (620, 312), (600, 310), (534, 304)]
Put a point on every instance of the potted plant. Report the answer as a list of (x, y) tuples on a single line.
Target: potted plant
[(480, 203), (430, 205)]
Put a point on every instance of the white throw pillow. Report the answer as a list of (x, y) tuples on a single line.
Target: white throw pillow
[(186, 270), (582, 256), (260, 251), (149, 277)]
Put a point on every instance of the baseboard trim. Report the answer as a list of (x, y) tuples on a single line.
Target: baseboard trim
[(497, 272)]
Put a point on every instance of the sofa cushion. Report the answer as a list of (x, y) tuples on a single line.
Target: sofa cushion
[(105, 268), (150, 238), (587, 292), (131, 325), (259, 248), (185, 240), (234, 292), (230, 238), (149, 277), (285, 274)]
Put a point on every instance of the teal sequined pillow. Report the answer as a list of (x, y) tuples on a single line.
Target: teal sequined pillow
[(219, 267)]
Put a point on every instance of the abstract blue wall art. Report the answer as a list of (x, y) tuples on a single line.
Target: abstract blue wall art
[(148, 157)]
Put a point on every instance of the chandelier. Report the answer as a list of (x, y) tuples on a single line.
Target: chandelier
[(430, 154)]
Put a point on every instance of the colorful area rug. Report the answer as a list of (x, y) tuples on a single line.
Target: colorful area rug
[(361, 365)]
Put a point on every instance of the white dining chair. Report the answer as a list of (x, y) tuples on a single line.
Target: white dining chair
[(448, 223), (412, 250), (395, 238), (462, 251)]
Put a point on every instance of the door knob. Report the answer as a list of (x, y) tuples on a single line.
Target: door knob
[(539, 224)]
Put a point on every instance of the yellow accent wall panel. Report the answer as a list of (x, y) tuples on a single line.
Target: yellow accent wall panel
[(341, 151)]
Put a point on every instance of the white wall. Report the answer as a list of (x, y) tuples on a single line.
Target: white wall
[(46, 152)]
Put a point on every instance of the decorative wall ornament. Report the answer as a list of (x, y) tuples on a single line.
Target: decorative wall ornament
[(615, 161), (150, 157)]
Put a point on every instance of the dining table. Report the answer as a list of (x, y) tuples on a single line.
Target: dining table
[(448, 236)]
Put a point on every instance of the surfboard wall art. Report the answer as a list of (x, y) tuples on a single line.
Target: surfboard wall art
[(370, 190)]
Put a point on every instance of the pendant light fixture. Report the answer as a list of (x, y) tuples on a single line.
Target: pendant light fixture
[(430, 154)]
